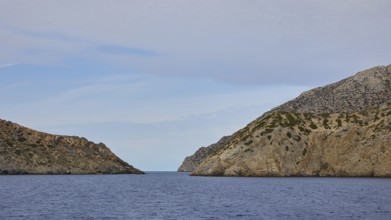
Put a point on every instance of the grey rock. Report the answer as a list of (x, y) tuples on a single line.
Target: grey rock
[(366, 89)]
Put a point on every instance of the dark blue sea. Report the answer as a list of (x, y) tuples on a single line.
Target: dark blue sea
[(171, 195)]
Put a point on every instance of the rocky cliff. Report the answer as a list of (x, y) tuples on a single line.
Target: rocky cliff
[(26, 151), (343, 129)]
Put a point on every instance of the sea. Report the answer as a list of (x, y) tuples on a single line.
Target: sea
[(172, 195)]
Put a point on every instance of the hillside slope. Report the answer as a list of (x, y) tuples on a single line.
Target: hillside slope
[(191, 162), (366, 89), (26, 151), (342, 129), (305, 144)]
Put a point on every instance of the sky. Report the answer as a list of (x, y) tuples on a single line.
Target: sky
[(156, 80)]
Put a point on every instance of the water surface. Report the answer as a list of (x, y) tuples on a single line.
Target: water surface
[(171, 195)]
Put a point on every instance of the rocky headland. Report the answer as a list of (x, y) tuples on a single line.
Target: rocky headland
[(191, 162), (26, 151), (342, 129)]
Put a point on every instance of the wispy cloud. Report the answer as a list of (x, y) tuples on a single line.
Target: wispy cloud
[(120, 50), (52, 35), (6, 65), (263, 43), (99, 46)]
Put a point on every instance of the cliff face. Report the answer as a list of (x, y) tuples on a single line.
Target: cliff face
[(343, 129), (26, 151)]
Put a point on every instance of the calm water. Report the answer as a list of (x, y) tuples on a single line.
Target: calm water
[(170, 195)]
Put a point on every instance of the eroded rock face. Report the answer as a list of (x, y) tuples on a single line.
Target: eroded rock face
[(26, 151), (343, 129)]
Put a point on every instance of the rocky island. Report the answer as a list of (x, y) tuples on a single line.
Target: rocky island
[(26, 151), (342, 129)]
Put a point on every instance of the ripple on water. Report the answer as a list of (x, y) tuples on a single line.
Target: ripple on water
[(171, 195)]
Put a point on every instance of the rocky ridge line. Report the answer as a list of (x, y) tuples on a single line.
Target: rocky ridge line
[(366, 89)]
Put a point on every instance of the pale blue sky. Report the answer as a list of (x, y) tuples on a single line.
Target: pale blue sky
[(155, 80)]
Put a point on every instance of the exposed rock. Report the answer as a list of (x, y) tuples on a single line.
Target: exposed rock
[(305, 144), (366, 89), (191, 162), (343, 129), (26, 151)]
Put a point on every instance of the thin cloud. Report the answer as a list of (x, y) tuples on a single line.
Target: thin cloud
[(120, 50), (52, 35), (238, 42), (6, 65), (101, 47)]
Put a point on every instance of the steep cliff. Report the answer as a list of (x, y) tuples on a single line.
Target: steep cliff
[(26, 151), (343, 129)]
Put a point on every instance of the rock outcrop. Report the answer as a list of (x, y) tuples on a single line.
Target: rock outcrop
[(366, 89), (343, 129), (191, 162), (26, 151)]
